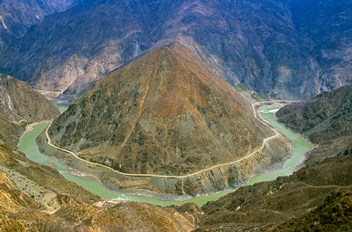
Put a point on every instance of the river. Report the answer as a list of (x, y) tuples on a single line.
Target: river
[(30, 148)]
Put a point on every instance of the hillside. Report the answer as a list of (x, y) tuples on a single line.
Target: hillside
[(165, 113), (16, 18), (326, 117), (266, 46), (37, 198), (315, 198), (20, 105), (325, 120)]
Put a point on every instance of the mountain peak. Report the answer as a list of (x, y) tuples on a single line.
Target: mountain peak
[(164, 113)]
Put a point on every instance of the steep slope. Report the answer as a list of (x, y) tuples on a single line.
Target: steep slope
[(165, 113), (17, 17), (315, 198), (326, 117), (37, 198), (252, 42), (20, 105), (325, 120), (328, 24)]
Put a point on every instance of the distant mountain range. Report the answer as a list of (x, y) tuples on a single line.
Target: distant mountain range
[(16, 17), (290, 50)]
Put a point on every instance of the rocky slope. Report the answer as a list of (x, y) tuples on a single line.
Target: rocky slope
[(326, 117), (328, 24), (37, 198), (165, 113), (325, 120), (264, 45), (20, 105), (17, 17), (316, 198)]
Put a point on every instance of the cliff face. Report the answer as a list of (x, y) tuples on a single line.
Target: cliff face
[(267, 45), (165, 113), (20, 105)]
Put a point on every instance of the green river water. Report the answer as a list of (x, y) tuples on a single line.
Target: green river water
[(29, 147)]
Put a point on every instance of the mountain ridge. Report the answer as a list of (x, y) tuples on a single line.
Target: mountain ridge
[(276, 62)]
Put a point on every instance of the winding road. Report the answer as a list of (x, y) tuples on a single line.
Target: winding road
[(265, 141)]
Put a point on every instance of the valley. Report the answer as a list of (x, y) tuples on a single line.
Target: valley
[(169, 115), (91, 183)]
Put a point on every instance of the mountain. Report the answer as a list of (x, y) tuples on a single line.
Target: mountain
[(164, 113), (326, 120), (20, 105), (17, 17), (328, 25), (36, 197), (326, 117), (267, 45)]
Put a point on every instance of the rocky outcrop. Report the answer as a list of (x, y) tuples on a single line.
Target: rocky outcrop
[(20, 105), (267, 45)]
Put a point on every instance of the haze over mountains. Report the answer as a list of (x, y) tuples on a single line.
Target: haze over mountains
[(275, 47), (17, 17)]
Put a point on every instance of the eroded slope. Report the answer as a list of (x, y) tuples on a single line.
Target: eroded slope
[(165, 113)]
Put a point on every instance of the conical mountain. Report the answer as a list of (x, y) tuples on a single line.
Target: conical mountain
[(164, 113)]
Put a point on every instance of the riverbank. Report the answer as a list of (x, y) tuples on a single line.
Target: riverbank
[(136, 195)]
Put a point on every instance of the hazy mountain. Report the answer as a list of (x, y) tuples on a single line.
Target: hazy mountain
[(164, 113), (265, 45), (16, 17), (328, 24), (20, 105)]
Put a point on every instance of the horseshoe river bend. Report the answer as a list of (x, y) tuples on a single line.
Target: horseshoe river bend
[(300, 146)]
